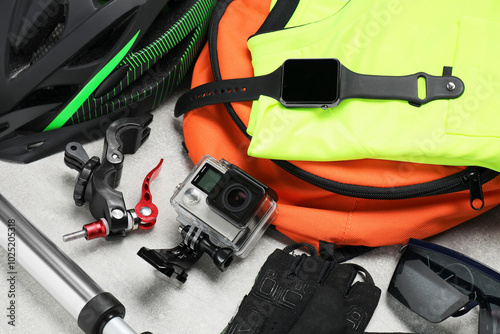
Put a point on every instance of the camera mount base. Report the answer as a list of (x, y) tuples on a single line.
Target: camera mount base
[(175, 261)]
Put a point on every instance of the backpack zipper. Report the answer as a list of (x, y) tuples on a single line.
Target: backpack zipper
[(475, 189), (471, 178)]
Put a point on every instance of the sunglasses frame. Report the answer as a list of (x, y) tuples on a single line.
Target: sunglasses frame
[(454, 255), (492, 273)]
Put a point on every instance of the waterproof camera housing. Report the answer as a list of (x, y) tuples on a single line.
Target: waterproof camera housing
[(222, 212), (230, 206)]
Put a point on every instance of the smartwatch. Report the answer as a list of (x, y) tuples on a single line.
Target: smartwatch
[(321, 83)]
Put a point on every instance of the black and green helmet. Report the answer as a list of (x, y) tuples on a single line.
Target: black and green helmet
[(71, 67)]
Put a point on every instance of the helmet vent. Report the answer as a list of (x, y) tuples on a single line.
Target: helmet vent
[(48, 43), (33, 23), (49, 95), (103, 43), (102, 2), (4, 126), (36, 36), (34, 146)]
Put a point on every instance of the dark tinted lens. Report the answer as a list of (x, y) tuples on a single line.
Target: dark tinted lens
[(435, 282), (421, 289)]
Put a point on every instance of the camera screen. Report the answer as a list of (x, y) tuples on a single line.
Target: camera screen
[(310, 80), (207, 178)]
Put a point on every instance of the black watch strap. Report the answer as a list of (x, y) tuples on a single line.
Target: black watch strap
[(232, 90), (349, 85), (355, 85)]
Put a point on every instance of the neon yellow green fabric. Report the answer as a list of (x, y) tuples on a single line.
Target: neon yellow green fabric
[(387, 37)]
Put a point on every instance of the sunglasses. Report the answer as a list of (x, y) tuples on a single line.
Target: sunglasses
[(436, 282)]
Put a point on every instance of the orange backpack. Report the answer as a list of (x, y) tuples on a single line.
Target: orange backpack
[(363, 202)]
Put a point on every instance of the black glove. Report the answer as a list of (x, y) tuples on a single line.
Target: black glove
[(306, 294)]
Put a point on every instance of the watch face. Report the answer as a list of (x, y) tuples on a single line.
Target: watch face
[(310, 82)]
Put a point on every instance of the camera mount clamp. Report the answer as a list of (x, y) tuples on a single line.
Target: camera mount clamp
[(97, 181), (176, 261)]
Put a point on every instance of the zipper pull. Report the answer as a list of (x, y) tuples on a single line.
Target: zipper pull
[(475, 189)]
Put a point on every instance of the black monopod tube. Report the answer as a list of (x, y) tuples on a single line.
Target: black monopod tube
[(96, 311)]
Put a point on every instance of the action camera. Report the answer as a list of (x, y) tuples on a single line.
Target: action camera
[(222, 211)]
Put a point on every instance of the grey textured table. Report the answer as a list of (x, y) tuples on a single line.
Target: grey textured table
[(42, 191)]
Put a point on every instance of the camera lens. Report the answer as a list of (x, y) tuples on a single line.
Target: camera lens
[(236, 198)]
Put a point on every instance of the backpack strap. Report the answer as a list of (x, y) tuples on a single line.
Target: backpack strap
[(340, 254), (279, 16)]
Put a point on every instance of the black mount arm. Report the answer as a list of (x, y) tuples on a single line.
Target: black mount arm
[(97, 180)]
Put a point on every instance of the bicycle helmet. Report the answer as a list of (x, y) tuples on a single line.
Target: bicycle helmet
[(71, 67)]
